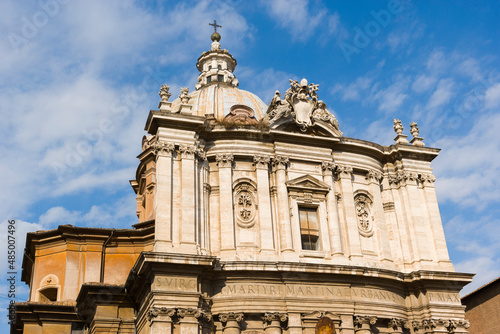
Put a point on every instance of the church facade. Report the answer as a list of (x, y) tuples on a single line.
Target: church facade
[(255, 218)]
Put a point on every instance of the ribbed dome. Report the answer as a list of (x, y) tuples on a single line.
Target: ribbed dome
[(217, 100)]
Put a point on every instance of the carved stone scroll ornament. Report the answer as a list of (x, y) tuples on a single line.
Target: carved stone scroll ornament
[(300, 102), (231, 316), (274, 316), (364, 322), (159, 311)]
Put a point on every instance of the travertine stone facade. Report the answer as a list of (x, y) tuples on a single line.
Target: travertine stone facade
[(266, 219)]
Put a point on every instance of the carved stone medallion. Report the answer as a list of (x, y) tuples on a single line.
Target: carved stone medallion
[(245, 205), (363, 212)]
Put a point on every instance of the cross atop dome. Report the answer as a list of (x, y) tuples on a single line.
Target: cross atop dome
[(216, 66), (215, 36)]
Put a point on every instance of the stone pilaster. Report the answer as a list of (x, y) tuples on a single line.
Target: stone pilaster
[(402, 224), (231, 322), (188, 198), (273, 321), (427, 181), (374, 178), (419, 224), (279, 164), (362, 324), (224, 162), (163, 196), (265, 216), (188, 320), (333, 216), (351, 220), (294, 323)]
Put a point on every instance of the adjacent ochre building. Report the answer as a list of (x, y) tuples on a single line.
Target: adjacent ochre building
[(255, 218)]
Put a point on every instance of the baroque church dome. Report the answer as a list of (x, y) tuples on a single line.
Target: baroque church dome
[(217, 92)]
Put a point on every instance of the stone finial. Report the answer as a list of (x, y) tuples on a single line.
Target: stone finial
[(398, 127), (164, 93), (414, 129), (184, 95), (417, 141)]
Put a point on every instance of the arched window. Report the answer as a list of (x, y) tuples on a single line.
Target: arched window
[(48, 294)]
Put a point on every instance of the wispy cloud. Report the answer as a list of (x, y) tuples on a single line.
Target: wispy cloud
[(301, 19)]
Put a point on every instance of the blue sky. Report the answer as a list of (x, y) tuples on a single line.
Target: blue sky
[(78, 78)]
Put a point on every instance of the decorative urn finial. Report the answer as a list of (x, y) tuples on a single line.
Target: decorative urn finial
[(398, 127)]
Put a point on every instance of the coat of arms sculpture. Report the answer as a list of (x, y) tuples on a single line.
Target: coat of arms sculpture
[(302, 104)]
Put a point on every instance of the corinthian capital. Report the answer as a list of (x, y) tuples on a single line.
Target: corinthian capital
[(261, 161), (344, 170), (374, 176), (280, 161), (274, 316), (328, 166), (224, 160), (427, 179), (163, 148), (231, 316), (187, 151)]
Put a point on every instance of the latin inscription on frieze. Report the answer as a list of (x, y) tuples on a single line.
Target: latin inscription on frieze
[(308, 291), (444, 297), (169, 283)]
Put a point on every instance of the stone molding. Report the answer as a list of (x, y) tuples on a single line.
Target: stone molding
[(261, 161), (224, 160)]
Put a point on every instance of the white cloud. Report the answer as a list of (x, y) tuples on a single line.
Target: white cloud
[(468, 166), (492, 97), (301, 22), (392, 97), (423, 83), (442, 94), (264, 83), (120, 213)]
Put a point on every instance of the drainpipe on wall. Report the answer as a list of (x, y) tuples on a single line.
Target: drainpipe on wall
[(103, 256)]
